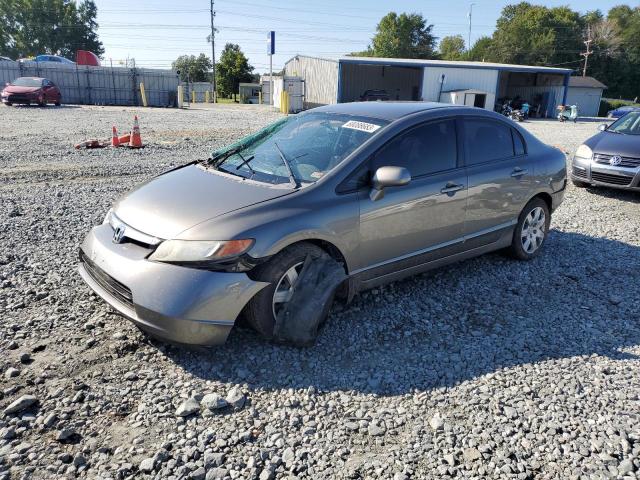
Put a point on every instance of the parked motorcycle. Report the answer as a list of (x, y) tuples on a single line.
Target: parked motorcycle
[(517, 115), (566, 112)]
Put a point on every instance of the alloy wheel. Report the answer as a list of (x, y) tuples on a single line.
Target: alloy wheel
[(533, 230), (285, 288)]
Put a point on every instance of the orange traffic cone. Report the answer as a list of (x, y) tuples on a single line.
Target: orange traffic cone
[(123, 141), (136, 139), (114, 137)]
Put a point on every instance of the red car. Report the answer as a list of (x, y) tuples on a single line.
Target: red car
[(28, 90)]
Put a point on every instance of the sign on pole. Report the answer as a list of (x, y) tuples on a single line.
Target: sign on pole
[(271, 50)]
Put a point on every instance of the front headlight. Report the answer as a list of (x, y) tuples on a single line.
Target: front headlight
[(199, 251), (584, 152)]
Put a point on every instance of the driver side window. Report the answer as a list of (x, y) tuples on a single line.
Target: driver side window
[(423, 150)]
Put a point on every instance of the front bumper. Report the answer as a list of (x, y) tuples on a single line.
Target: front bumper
[(174, 303), (588, 171)]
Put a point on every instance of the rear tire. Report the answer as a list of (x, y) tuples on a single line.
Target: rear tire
[(579, 184), (260, 311), (8, 104), (531, 230)]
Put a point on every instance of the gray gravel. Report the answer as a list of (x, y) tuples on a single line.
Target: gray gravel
[(487, 369)]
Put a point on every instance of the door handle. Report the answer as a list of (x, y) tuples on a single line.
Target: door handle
[(451, 188), (518, 172)]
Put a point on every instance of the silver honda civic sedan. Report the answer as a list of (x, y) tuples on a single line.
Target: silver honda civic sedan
[(384, 189)]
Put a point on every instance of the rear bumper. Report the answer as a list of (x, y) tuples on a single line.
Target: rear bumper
[(176, 304)]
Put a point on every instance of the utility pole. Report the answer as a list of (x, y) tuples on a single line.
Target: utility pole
[(213, 51), (470, 13), (588, 52)]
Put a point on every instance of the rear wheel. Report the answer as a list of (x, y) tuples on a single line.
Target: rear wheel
[(531, 230), (282, 273)]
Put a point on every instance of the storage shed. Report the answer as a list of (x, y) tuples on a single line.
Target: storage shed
[(586, 93), (345, 79)]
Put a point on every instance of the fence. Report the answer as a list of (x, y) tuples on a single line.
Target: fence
[(83, 84)]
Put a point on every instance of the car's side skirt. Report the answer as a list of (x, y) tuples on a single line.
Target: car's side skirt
[(467, 247)]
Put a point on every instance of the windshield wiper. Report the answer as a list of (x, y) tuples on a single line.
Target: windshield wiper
[(292, 177), (245, 161), (221, 157)]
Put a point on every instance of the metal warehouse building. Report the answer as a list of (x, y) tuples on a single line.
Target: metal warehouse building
[(586, 93), (471, 83)]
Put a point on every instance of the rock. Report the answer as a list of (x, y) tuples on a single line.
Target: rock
[(130, 376), (50, 420), (21, 404), (8, 433), (450, 459), (289, 456), (471, 454), (79, 460), (198, 474), (25, 358), (213, 401), (212, 459), (147, 465), (376, 430), (436, 422), (13, 345), (188, 407), (65, 434), (626, 466), (11, 372), (235, 398), (217, 474), (510, 412), (400, 476)]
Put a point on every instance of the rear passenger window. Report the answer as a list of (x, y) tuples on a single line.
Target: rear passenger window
[(423, 150), (518, 144), (487, 140)]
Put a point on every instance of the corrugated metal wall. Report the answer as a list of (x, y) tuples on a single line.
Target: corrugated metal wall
[(83, 84), (459, 78), (587, 100), (401, 83), (320, 79)]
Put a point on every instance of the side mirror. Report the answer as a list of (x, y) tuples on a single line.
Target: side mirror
[(387, 177), (603, 127)]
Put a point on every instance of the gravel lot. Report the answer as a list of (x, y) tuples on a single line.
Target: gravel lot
[(486, 369)]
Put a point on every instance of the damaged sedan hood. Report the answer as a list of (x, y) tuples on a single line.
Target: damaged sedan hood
[(175, 201)]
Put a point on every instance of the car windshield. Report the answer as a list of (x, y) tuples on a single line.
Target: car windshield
[(27, 82), (310, 144), (628, 125)]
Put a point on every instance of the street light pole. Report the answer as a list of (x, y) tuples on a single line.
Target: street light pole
[(470, 13)]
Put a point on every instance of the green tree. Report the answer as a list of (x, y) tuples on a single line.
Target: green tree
[(58, 27), (482, 50), (232, 69), (402, 36), (192, 68), (452, 48), (536, 35)]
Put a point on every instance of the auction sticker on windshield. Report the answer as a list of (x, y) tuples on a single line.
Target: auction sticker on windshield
[(362, 126)]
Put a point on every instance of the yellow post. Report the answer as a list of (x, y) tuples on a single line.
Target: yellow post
[(206, 96), (193, 96), (143, 95)]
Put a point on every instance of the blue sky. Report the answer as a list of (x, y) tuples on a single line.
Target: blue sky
[(155, 32)]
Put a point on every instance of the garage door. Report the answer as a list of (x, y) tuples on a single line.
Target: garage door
[(587, 100)]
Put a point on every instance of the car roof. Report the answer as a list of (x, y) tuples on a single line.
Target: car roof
[(383, 110)]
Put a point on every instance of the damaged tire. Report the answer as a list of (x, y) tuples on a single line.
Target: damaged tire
[(281, 272)]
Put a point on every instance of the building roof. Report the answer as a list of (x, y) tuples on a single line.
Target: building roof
[(586, 82), (412, 62), (383, 110)]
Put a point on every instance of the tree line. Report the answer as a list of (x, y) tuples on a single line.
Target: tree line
[(529, 34)]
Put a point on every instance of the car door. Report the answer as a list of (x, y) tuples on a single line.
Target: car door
[(500, 176), (412, 221)]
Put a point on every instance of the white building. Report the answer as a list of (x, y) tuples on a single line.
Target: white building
[(346, 79), (586, 93)]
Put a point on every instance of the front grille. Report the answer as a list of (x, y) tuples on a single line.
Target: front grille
[(629, 162), (16, 97), (117, 290), (579, 172), (612, 179)]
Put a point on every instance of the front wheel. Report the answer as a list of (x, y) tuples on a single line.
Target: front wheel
[(281, 272), (531, 230)]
